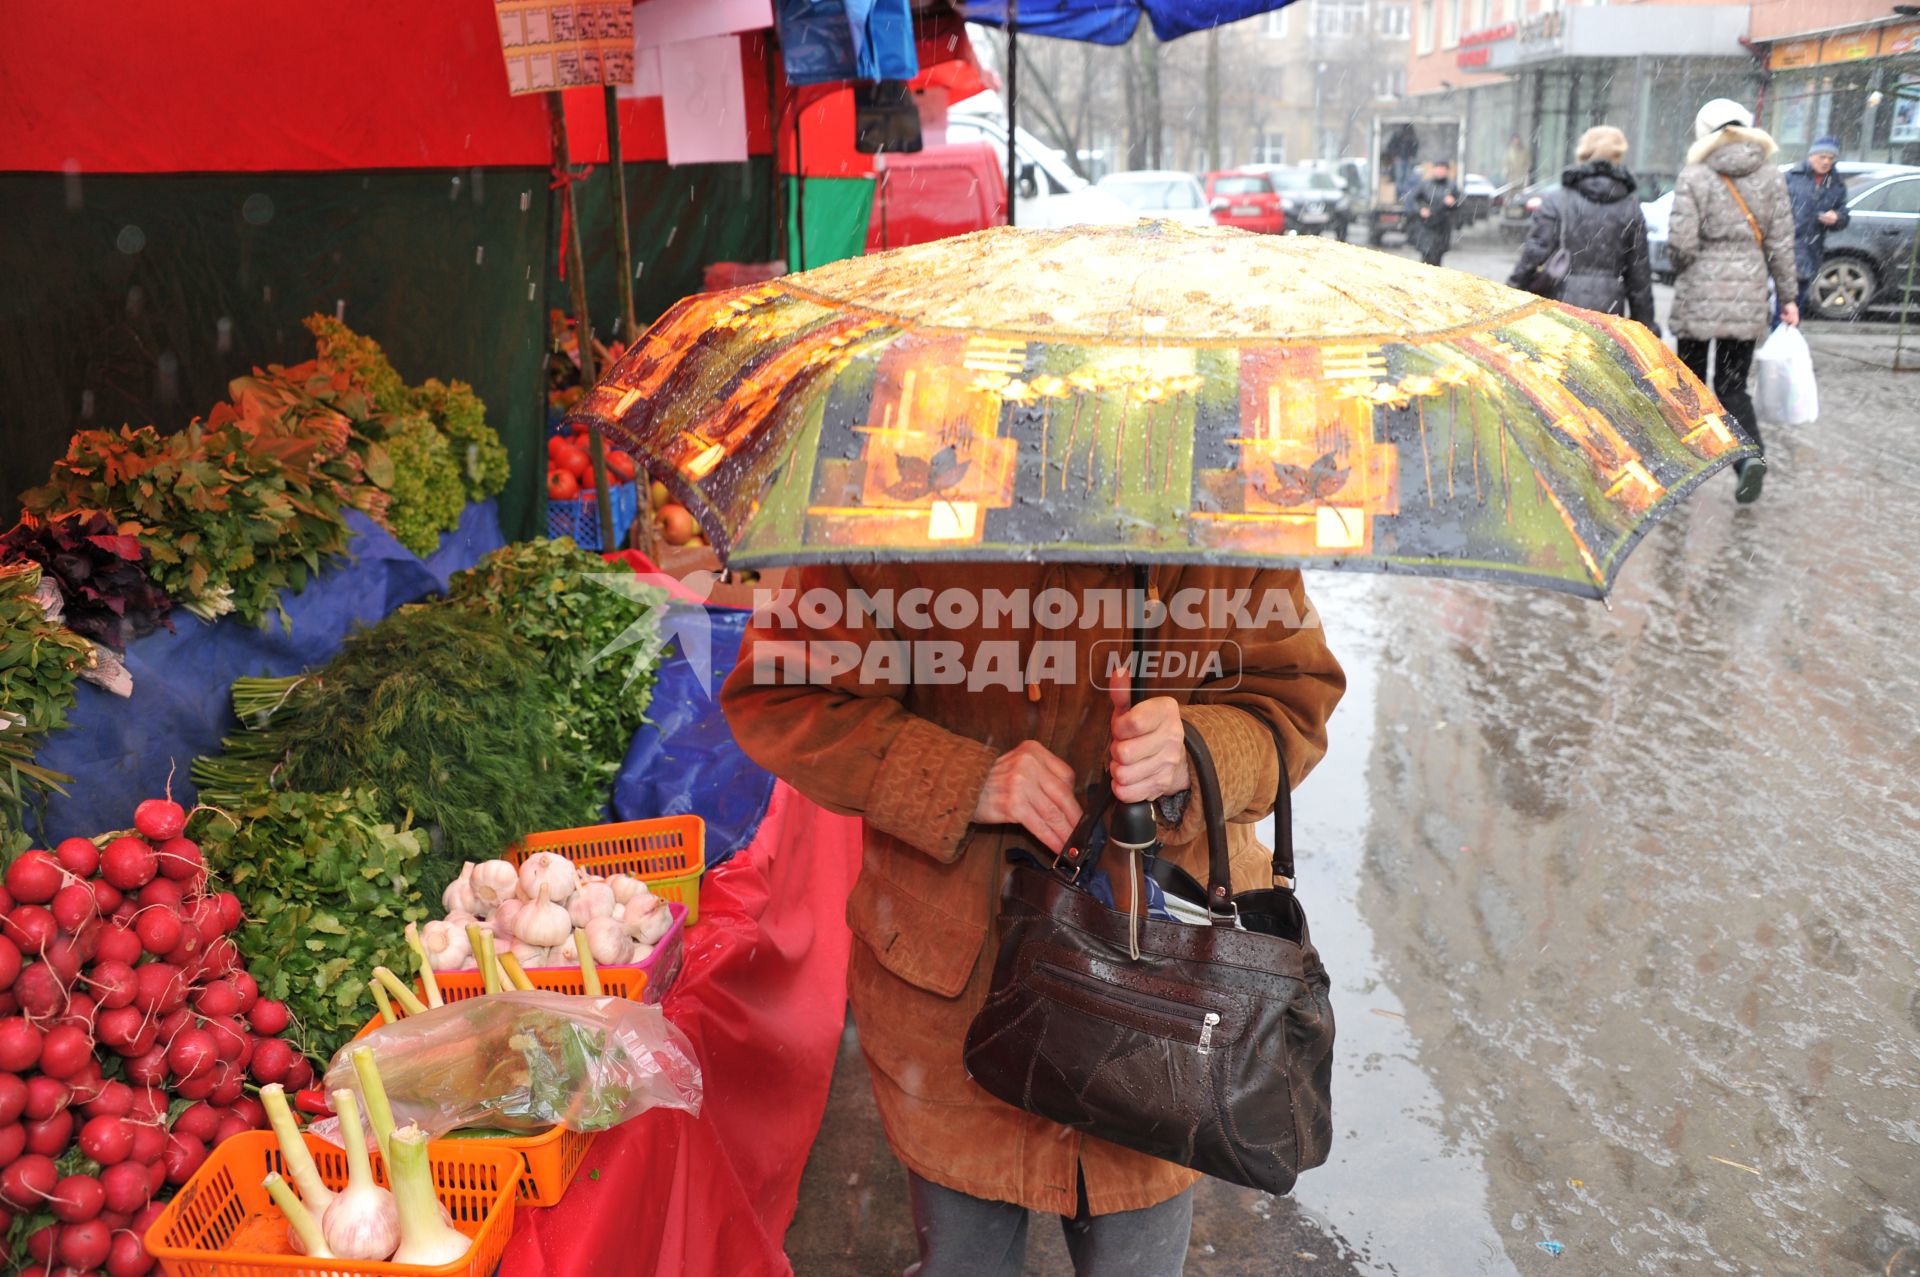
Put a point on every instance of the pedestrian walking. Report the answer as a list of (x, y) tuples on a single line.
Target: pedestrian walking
[(1819, 205), (1595, 219), (1518, 165), (1431, 206), (1731, 232)]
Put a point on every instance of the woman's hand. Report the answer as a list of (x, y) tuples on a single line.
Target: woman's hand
[(1031, 787), (1147, 756), (1790, 314)]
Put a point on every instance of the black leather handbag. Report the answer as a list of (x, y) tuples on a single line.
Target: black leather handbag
[(1209, 1046)]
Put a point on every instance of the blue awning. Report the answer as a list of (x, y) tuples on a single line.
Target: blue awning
[(1113, 21)]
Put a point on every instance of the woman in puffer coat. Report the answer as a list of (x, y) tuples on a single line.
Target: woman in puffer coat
[(1603, 229), (1725, 254)]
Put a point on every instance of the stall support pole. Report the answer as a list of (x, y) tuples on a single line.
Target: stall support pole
[(583, 329), (622, 240), (1013, 80)]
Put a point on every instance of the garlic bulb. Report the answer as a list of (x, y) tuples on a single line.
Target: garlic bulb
[(654, 925), (566, 954), (494, 881), (459, 896), (542, 922), (544, 869), (362, 1221), (625, 887), (590, 900), (446, 945), (639, 952), (501, 924), (607, 941), (532, 955)]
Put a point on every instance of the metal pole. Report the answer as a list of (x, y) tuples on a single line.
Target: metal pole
[(622, 240), (799, 244), (577, 267), (1013, 79), (1906, 304)]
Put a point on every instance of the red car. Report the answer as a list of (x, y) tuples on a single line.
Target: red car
[(1246, 200)]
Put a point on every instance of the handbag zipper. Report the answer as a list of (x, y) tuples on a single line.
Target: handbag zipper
[(1192, 1016)]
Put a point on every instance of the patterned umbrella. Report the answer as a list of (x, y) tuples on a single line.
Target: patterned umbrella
[(1159, 393)]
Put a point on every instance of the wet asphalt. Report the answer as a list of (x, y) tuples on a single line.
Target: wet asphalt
[(1622, 905)]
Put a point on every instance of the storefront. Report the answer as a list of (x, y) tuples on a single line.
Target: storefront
[(1578, 67), (1859, 85)]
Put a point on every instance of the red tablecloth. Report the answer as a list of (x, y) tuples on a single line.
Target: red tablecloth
[(763, 997)]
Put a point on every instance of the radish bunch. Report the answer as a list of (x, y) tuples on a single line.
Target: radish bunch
[(128, 1034)]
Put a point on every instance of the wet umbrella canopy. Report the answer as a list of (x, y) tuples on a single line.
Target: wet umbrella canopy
[(1160, 393)]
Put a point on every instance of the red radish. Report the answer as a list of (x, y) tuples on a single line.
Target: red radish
[(81, 1009), (119, 944), (64, 1051), (231, 913), (203, 915), (186, 954), (149, 1104), (144, 1217), (183, 1157), (113, 983), (147, 1069), (116, 1219), (149, 1142), (229, 1083), (85, 1246), (128, 863), (9, 1005), (9, 962), (175, 1021), (249, 990), (229, 1036), (30, 927), (106, 1140), (115, 1100), (123, 913), (198, 1087), (106, 896), (231, 1124), (198, 1120), (216, 998), (220, 958), (161, 987), (45, 1097), (87, 1084), (159, 930), (62, 957), (78, 1198), (161, 891), (128, 1256), (118, 1026), (13, 1142), (271, 1060), (51, 1137), (19, 1045), (159, 819), (6, 900), (268, 1017), (13, 1097), (299, 1075), (180, 860), (191, 1054), (252, 1112), (78, 856), (34, 877), (73, 904), (40, 1242), (157, 1171), (40, 992), (28, 1181), (126, 1185)]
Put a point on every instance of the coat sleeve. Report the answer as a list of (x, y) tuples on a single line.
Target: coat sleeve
[(1840, 204), (1779, 243), (1639, 274), (846, 743), (1285, 675), (1683, 226), (1543, 236)]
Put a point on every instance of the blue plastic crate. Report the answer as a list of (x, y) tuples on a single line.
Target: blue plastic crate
[(579, 517)]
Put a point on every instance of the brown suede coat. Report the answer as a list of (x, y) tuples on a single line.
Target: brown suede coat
[(911, 760)]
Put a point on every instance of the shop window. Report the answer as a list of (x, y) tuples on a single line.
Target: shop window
[(1390, 20)]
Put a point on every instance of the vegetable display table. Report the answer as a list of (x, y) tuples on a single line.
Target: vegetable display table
[(121, 751), (762, 995)]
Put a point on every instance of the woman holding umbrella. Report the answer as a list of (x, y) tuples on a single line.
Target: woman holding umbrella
[(948, 779)]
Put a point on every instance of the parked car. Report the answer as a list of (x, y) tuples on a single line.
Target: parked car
[(1859, 175), (1313, 199), (1867, 262), (935, 192), (1050, 193), (1167, 193), (1476, 197), (1246, 200)]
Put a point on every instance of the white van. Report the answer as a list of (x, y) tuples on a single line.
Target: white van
[(1051, 194)]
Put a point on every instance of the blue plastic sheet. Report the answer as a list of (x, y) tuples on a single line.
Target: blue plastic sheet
[(822, 41), (120, 751), (1113, 21), (685, 759)]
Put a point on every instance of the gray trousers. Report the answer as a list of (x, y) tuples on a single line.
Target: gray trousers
[(963, 1236)]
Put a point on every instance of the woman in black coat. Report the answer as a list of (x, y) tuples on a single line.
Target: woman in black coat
[(1600, 223)]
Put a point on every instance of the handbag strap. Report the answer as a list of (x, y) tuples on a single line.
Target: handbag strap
[(1745, 212)]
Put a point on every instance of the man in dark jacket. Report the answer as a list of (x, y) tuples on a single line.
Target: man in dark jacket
[(1599, 221), (1430, 207), (1819, 205)]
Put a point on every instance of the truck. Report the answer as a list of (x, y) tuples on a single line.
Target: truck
[(935, 192), (1403, 145)]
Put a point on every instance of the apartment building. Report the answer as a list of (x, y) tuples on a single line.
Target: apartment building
[(1324, 68)]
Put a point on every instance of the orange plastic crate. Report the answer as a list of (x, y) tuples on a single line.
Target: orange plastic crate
[(615, 982), (476, 1181), (668, 853)]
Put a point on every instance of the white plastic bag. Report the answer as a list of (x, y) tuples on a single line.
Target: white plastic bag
[(1784, 389)]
